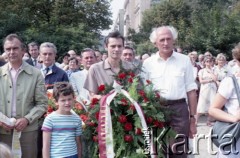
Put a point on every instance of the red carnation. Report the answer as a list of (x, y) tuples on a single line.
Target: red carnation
[(128, 138), (145, 99), (148, 81), (97, 115), (128, 126), (158, 124), (84, 117), (95, 138), (93, 102), (141, 93), (50, 109), (122, 119), (124, 102), (132, 107), (101, 88), (149, 120), (131, 74), (92, 124), (122, 75), (138, 131), (130, 80), (157, 95)]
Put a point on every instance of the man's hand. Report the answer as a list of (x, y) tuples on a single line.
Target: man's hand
[(21, 124), (193, 128), (6, 127)]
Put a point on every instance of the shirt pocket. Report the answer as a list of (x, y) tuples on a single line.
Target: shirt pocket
[(156, 79), (176, 78)]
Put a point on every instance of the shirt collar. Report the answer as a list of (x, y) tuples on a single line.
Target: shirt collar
[(11, 68), (173, 56), (106, 64), (44, 67)]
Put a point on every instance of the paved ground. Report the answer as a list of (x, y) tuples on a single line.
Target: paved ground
[(203, 147)]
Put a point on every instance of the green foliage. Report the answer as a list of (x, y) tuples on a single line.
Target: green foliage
[(70, 24), (202, 25)]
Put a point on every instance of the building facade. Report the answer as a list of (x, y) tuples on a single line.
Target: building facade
[(132, 14)]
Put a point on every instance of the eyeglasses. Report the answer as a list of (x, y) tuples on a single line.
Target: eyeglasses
[(208, 61)]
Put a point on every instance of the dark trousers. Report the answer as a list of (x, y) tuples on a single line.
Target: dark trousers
[(28, 142), (180, 123)]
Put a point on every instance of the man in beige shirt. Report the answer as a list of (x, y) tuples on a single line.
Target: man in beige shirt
[(103, 72)]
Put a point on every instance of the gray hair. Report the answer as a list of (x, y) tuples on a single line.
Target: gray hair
[(48, 45), (221, 56), (153, 35)]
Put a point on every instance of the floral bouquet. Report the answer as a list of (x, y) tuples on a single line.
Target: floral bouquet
[(125, 129)]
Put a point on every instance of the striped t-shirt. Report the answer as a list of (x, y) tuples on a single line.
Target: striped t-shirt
[(64, 130)]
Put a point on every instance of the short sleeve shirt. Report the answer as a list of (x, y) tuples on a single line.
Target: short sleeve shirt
[(227, 90), (64, 130), (102, 74), (173, 77)]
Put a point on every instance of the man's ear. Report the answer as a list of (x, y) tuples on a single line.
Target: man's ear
[(105, 46)]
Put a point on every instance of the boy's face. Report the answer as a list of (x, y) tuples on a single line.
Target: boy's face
[(65, 104)]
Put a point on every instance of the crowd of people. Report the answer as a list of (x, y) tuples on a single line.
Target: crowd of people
[(189, 83)]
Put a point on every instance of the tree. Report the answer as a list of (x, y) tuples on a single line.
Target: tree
[(175, 12), (203, 25), (70, 24)]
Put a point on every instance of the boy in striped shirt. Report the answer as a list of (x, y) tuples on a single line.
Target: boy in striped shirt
[(62, 129)]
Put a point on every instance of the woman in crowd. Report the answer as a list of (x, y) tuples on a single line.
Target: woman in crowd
[(208, 89), (221, 69), (72, 66), (227, 97)]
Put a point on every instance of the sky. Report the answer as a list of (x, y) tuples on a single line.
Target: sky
[(115, 6)]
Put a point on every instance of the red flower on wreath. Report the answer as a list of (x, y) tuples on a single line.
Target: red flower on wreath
[(149, 120), (122, 75), (130, 80), (83, 117), (97, 115), (92, 124), (148, 81), (142, 93), (94, 102), (101, 88), (132, 74), (50, 109), (128, 126), (132, 107), (124, 102), (122, 119), (158, 124), (138, 131), (128, 138), (95, 138)]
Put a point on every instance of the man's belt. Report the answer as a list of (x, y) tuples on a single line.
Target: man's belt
[(171, 102)]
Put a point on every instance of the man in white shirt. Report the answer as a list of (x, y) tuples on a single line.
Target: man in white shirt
[(77, 79), (172, 75)]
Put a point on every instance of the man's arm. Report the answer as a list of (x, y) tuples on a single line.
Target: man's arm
[(192, 102), (73, 81), (41, 100)]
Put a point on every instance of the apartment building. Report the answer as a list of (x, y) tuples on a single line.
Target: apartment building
[(131, 15)]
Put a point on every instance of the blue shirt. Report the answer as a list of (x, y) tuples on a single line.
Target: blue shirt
[(64, 130)]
